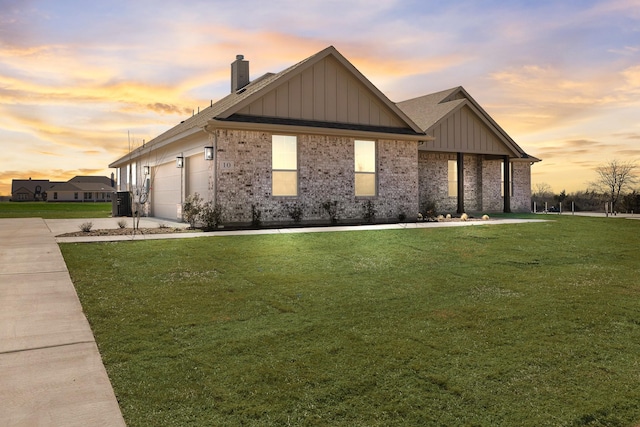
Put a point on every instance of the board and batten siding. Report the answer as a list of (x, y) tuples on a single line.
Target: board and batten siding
[(464, 132), (325, 92)]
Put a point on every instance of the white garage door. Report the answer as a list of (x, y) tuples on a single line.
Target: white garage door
[(198, 176), (165, 191)]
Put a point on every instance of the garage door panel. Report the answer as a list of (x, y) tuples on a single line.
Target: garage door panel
[(165, 191), (198, 176)]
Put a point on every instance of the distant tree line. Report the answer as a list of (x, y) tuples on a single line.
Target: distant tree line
[(615, 186)]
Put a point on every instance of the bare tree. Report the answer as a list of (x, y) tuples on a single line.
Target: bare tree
[(614, 177), (542, 190)]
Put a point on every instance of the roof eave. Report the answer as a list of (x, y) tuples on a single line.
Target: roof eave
[(144, 150), (313, 130)]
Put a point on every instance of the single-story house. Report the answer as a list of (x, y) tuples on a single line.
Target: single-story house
[(29, 190), (77, 189), (319, 137), (82, 189)]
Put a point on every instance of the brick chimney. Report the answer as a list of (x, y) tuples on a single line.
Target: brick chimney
[(239, 73)]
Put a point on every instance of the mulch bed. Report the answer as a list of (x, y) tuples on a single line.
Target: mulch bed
[(127, 232)]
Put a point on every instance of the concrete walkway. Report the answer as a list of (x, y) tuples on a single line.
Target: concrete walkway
[(61, 226), (51, 373)]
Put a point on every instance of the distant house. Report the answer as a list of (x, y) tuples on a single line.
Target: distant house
[(29, 190), (318, 138), (77, 189), (82, 189)]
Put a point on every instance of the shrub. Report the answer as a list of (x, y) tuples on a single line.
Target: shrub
[(485, 217), (163, 225), (464, 217), (122, 223), (295, 212), (331, 207), (256, 216), (429, 209), (369, 211), (86, 226), (211, 216), (191, 209)]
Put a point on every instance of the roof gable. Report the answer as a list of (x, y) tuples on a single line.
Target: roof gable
[(460, 124), (324, 88), (30, 185)]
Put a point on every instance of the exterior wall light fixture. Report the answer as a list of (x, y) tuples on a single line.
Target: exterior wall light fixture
[(146, 170), (208, 153), (180, 161)]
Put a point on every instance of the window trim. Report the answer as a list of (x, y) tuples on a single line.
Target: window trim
[(364, 173), (296, 170)]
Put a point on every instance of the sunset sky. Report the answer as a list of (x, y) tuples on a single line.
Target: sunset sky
[(81, 81)]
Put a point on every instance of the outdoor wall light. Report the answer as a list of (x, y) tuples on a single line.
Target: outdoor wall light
[(180, 161), (146, 170), (208, 153)]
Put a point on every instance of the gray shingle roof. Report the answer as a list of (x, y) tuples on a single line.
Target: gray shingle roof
[(29, 184), (227, 106), (427, 110)]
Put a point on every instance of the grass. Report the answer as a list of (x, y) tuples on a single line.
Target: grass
[(54, 210), (528, 325)]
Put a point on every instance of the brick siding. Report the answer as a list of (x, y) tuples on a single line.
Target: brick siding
[(325, 174)]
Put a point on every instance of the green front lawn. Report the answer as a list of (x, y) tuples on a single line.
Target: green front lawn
[(54, 210), (510, 325)]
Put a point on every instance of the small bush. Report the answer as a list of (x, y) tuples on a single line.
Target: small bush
[(86, 226), (211, 216), (191, 209), (331, 207), (464, 217), (163, 225), (429, 209), (295, 212), (122, 223), (369, 211), (256, 216)]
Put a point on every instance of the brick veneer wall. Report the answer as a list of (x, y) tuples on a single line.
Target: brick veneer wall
[(325, 174), (521, 198), (482, 184), (492, 200), (433, 182)]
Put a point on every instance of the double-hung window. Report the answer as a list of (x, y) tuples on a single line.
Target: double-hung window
[(284, 165), (365, 167)]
